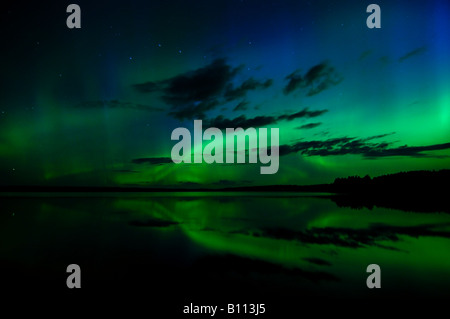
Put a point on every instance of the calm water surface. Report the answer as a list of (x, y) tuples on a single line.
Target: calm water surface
[(222, 243)]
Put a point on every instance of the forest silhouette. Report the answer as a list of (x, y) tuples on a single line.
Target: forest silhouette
[(417, 191)]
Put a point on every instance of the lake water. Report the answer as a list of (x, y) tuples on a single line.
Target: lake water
[(224, 247)]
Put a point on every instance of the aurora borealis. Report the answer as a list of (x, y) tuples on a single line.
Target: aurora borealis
[(96, 106)]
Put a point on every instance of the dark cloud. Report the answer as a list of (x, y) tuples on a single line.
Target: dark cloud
[(412, 53), (191, 94), (309, 147), (200, 85), (295, 81), (303, 113), (248, 85), (242, 121), (152, 160), (412, 151), (242, 106), (351, 237), (309, 126), (322, 133), (377, 136), (318, 78), (361, 146), (117, 104), (364, 55)]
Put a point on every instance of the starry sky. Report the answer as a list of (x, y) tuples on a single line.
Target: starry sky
[(96, 106)]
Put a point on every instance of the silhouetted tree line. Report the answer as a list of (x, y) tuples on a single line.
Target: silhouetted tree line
[(413, 181), (353, 180), (419, 191)]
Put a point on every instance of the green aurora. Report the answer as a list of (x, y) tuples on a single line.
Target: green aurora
[(181, 229), (96, 106)]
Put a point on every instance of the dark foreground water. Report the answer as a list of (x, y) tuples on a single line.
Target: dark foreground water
[(167, 250)]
